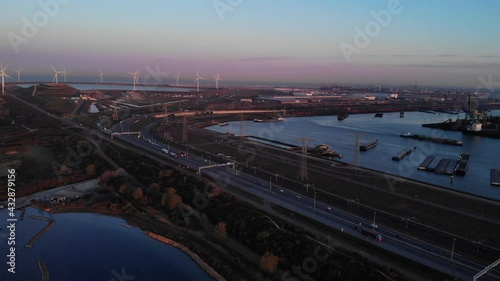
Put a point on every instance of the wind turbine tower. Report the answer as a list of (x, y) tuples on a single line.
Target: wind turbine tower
[(135, 76), (18, 75), (101, 74), (177, 79), (64, 73), (55, 74), (3, 74), (217, 79), (197, 80)]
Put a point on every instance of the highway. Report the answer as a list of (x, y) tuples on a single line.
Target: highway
[(398, 243)]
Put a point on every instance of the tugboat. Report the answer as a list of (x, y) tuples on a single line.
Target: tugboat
[(342, 116), (379, 115), (401, 114)]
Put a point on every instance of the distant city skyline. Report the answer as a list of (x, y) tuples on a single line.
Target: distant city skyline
[(435, 43)]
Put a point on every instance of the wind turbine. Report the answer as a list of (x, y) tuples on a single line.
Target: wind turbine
[(217, 79), (3, 74), (101, 74), (64, 73), (55, 74), (177, 77), (18, 74), (197, 80), (135, 76)]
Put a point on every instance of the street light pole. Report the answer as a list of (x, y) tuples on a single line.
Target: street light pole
[(270, 178), (452, 248), (374, 215), (315, 199)]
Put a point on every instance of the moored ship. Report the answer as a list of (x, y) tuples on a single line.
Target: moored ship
[(278, 119)]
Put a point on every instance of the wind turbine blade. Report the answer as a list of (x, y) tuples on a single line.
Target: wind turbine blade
[(8, 76), (130, 73), (53, 68)]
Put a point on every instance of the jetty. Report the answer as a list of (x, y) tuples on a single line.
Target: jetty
[(42, 232), (44, 270), (21, 216)]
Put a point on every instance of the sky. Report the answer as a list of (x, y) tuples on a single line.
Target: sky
[(437, 43)]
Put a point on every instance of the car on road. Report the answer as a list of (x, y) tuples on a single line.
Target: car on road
[(329, 208), (281, 190), (298, 197)]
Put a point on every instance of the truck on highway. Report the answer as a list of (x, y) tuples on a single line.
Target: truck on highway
[(372, 234), (164, 150), (173, 154)]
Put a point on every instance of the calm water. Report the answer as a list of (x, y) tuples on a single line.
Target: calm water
[(82, 247), (341, 136)]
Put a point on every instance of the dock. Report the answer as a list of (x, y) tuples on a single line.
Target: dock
[(463, 164), (450, 168), (495, 177), (402, 154), (426, 162), (441, 167), (368, 145)]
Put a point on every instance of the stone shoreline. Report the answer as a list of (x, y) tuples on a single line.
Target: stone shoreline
[(214, 274)]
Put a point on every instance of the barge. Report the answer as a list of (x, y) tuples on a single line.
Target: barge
[(463, 164), (433, 139), (495, 177), (441, 167), (450, 168), (426, 162), (402, 154), (369, 145)]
